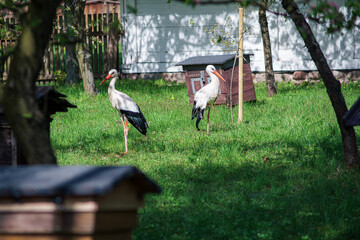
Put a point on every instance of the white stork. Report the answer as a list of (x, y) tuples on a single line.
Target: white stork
[(128, 109), (206, 96)]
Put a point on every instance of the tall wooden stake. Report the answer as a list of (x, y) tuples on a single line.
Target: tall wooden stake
[(241, 68)]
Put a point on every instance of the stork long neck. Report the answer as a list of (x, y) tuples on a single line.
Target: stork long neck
[(112, 85), (214, 79)]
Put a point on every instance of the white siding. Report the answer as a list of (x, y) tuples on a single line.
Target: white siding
[(162, 34)]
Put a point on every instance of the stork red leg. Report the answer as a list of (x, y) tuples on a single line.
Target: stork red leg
[(126, 131), (208, 120)]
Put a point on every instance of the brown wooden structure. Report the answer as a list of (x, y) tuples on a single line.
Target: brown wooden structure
[(50, 101), (103, 43), (72, 202), (196, 77)]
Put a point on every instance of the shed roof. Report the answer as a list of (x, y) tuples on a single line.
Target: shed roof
[(53, 181), (206, 60)]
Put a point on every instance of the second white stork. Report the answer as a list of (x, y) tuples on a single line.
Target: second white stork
[(128, 109), (206, 96)]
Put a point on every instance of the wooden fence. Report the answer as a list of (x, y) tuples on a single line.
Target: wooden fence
[(105, 52)]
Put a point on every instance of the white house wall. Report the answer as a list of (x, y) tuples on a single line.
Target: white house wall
[(162, 34)]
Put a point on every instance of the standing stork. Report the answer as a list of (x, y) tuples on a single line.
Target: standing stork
[(206, 96), (128, 109)]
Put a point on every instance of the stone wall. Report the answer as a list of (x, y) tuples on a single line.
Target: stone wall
[(295, 77), (177, 77), (311, 76)]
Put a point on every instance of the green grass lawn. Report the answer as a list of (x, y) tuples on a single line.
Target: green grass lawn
[(278, 175)]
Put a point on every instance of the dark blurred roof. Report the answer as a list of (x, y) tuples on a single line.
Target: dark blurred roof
[(56, 101), (52, 181), (352, 117), (206, 60)]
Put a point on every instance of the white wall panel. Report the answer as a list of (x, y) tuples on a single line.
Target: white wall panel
[(162, 34)]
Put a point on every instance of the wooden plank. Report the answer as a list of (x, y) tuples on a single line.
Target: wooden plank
[(2, 67), (89, 23), (119, 235), (103, 40), (56, 57), (95, 57), (104, 56), (124, 197), (53, 58), (8, 61), (47, 61), (100, 23), (66, 222), (39, 205)]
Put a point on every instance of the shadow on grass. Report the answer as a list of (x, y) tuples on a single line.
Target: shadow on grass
[(286, 88), (144, 86), (305, 196), (251, 201)]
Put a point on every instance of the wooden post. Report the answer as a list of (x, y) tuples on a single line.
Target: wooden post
[(241, 70)]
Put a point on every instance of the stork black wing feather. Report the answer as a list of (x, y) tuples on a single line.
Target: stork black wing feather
[(136, 119), (198, 114)]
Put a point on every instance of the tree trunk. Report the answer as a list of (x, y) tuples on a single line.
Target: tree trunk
[(18, 95), (82, 51), (84, 58), (72, 65), (333, 86), (269, 73)]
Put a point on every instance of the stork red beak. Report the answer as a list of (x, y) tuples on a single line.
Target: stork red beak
[(217, 74), (108, 76)]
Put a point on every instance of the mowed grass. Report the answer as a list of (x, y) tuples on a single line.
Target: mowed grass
[(278, 175)]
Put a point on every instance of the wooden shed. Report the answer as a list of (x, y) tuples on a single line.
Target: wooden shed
[(196, 77), (72, 202), (50, 101)]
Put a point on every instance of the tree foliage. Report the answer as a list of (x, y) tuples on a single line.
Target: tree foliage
[(333, 17), (325, 12)]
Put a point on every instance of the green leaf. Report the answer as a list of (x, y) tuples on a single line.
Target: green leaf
[(132, 9), (27, 115)]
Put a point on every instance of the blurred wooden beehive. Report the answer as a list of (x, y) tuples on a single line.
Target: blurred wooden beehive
[(196, 77), (77, 202), (50, 101)]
